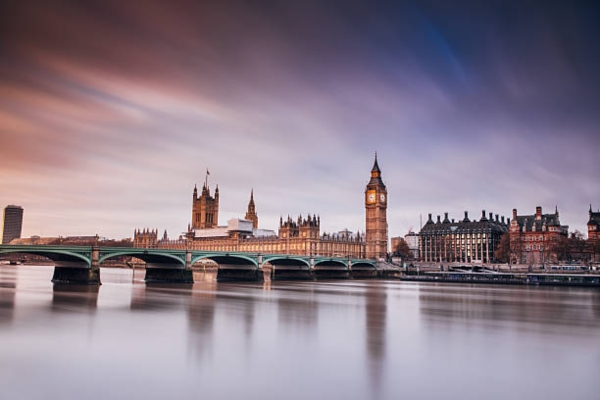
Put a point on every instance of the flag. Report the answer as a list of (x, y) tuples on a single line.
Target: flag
[(207, 173)]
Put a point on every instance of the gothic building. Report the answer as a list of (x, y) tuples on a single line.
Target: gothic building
[(532, 237), (301, 236), (205, 209), (464, 241), (251, 213), (376, 219)]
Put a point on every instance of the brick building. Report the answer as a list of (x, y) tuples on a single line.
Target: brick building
[(532, 237)]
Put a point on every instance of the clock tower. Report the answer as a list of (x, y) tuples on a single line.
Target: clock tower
[(376, 207)]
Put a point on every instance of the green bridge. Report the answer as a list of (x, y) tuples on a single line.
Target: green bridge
[(81, 264)]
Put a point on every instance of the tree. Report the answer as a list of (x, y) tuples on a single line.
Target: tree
[(502, 252), (403, 251)]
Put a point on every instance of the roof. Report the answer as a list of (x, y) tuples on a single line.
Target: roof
[(530, 220), (463, 227)]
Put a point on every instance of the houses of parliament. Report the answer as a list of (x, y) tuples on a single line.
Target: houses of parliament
[(295, 236)]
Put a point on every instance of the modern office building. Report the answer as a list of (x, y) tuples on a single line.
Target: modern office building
[(13, 223)]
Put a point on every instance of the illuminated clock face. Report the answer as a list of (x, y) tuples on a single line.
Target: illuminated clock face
[(371, 197), (382, 197)]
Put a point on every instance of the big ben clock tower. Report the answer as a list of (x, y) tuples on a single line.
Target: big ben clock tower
[(376, 207)]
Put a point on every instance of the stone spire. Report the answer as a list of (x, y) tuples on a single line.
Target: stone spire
[(251, 213)]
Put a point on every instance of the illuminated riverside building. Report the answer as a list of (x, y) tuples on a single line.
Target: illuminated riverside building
[(296, 236), (463, 241)]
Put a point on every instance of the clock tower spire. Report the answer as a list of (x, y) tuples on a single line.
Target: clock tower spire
[(376, 208)]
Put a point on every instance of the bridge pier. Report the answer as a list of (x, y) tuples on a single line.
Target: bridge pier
[(170, 273), (86, 275)]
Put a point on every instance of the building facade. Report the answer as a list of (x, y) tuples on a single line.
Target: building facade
[(412, 239), (464, 241), (376, 215), (13, 223), (299, 236), (532, 237), (205, 209), (593, 225)]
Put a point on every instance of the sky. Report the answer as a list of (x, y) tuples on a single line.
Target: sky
[(111, 111)]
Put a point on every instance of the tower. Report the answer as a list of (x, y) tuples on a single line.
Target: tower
[(205, 209), (376, 207), (251, 213), (13, 223)]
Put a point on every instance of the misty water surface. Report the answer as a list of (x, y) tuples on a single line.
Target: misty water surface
[(293, 340)]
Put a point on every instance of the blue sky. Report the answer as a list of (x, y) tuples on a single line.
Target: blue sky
[(110, 112)]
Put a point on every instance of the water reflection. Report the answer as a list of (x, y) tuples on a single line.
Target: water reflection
[(294, 340), (532, 308), (159, 296), (201, 312), (296, 308), (74, 298), (376, 313), (8, 286)]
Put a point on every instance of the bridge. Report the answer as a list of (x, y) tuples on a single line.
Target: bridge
[(81, 264)]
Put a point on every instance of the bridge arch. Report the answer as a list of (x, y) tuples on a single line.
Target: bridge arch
[(60, 256), (363, 265), (331, 263), (286, 261), (152, 258), (225, 258)]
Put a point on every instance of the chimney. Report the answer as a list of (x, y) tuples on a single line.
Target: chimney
[(538, 212), (452, 220), (507, 221), (497, 217), (502, 219), (466, 217), (446, 220), (483, 218), (438, 219), (491, 218), (514, 213)]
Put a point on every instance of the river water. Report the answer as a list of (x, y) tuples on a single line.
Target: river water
[(293, 340)]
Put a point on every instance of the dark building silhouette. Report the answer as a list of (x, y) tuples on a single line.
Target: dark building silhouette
[(463, 241), (13, 223)]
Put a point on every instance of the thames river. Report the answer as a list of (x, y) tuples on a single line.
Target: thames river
[(366, 339)]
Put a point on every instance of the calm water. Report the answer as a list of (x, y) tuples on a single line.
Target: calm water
[(294, 340)]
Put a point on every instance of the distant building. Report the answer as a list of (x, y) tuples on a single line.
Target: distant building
[(412, 239), (301, 236), (395, 242), (593, 225), (532, 237), (13, 223), (205, 209), (463, 241)]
